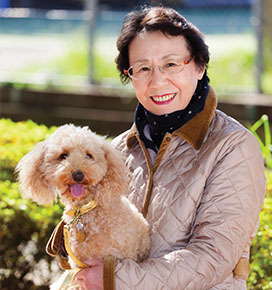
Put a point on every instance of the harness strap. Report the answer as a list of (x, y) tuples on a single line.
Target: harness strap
[(76, 213), (67, 237)]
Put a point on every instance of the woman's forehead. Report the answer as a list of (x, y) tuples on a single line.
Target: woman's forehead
[(170, 56), (149, 45)]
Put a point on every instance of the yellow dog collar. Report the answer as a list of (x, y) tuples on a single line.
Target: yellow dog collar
[(85, 208)]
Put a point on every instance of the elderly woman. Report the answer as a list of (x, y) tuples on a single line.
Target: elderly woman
[(197, 174)]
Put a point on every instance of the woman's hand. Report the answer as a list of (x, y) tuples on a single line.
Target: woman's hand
[(90, 278)]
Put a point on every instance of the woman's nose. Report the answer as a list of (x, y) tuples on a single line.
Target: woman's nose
[(157, 77)]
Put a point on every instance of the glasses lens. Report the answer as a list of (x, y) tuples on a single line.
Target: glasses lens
[(172, 67), (140, 72), (143, 71)]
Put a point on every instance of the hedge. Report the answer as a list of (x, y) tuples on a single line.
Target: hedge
[(25, 227)]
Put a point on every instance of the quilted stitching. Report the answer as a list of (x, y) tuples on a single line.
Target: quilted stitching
[(200, 208)]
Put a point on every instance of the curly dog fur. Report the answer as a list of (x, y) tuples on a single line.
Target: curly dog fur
[(78, 166)]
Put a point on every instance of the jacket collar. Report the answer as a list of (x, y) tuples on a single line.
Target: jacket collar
[(194, 131)]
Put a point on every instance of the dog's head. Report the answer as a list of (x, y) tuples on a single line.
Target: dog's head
[(70, 163)]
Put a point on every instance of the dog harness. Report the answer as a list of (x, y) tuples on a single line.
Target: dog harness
[(81, 236), (76, 214)]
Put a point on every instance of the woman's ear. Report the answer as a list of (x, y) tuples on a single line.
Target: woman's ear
[(32, 180)]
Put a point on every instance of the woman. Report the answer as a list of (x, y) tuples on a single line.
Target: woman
[(197, 174)]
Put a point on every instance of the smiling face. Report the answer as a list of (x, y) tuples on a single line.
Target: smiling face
[(74, 163), (163, 93)]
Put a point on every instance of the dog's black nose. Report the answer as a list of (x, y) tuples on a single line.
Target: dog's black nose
[(78, 176)]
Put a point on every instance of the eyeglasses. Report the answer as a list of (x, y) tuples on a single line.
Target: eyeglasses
[(144, 71)]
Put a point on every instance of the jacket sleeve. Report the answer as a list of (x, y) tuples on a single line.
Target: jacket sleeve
[(224, 225)]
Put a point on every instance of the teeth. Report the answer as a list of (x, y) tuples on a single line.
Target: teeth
[(164, 98)]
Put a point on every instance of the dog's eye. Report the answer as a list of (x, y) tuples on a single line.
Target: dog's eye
[(89, 156), (63, 156)]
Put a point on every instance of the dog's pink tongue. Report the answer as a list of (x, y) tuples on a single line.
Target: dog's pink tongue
[(76, 190)]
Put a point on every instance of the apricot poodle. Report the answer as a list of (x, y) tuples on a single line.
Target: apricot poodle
[(91, 180)]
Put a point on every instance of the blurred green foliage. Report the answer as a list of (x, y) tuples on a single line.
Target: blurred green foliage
[(234, 71), (261, 251), (25, 227), (15, 141)]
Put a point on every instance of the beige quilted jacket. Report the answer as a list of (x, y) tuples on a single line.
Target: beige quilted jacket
[(202, 198)]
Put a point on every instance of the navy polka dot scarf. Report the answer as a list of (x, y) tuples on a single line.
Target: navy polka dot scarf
[(152, 128)]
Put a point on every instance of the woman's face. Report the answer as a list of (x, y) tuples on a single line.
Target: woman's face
[(163, 93)]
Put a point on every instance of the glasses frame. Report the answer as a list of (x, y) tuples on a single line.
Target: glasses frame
[(126, 71)]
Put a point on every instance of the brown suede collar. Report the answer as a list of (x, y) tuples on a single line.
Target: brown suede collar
[(193, 131)]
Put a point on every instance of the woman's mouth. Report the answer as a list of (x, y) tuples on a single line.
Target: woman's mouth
[(163, 99)]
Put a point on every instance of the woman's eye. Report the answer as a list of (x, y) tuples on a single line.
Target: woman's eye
[(142, 69), (63, 156), (171, 64), (89, 156), (145, 68)]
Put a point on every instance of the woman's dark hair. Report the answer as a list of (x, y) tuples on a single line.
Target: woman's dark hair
[(163, 19)]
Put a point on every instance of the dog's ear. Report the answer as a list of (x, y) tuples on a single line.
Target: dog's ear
[(117, 172), (32, 180)]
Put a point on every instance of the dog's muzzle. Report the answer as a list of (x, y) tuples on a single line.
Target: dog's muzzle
[(78, 176)]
